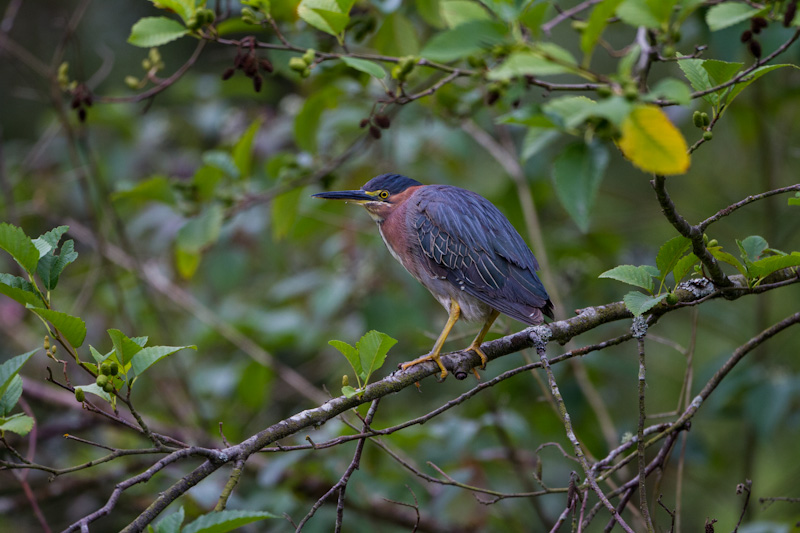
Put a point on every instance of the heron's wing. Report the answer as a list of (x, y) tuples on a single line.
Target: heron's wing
[(469, 242)]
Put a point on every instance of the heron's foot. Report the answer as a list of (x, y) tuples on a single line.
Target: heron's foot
[(477, 349), (430, 357)]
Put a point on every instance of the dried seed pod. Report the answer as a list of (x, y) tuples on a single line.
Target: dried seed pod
[(76, 100), (757, 24), (746, 36), (228, 73), (257, 82), (382, 121), (492, 97), (375, 132), (755, 48), (82, 114), (788, 16), (364, 123), (265, 65)]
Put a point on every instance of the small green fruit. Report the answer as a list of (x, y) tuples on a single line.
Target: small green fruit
[(80, 395), (105, 369), (309, 56), (345, 381), (712, 243), (102, 380), (707, 135), (697, 119), (113, 368), (298, 64), (604, 91), (672, 298), (631, 92), (108, 387)]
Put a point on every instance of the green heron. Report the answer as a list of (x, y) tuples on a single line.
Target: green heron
[(460, 247)]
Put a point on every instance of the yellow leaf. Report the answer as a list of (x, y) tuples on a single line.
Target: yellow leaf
[(652, 143)]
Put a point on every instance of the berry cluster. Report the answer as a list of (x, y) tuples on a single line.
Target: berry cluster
[(248, 62), (303, 64), (376, 123), (81, 99), (748, 36)]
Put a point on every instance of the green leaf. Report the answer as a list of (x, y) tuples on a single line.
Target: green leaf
[(577, 173), (670, 253), (14, 241), (563, 110), (152, 354), (638, 302), (349, 391), (764, 267), (97, 391), (753, 76), (187, 262), (536, 140), (396, 37), (284, 212), (464, 40), (544, 60), (222, 521), (51, 265), (372, 349), (653, 143), (533, 17), (154, 189), (458, 12), (9, 399), (223, 161), (594, 27), (97, 356), (362, 65), (698, 78), (171, 523), (330, 16), (124, 347), (723, 15), (687, 8), (639, 276), (71, 327), (19, 289), (720, 72), (752, 247), (795, 200), (201, 230), (155, 31), (48, 241), (243, 150), (351, 354), (642, 13), (11, 368), (671, 89), (184, 8), (725, 257), (683, 267), (19, 423)]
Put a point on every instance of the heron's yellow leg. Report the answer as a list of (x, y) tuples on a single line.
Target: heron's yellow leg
[(455, 313), (476, 344)]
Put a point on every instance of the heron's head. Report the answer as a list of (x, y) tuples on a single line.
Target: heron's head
[(379, 196)]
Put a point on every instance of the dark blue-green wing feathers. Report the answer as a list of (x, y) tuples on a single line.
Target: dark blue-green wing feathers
[(468, 241)]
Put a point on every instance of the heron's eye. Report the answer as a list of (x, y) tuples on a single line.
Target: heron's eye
[(384, 195)]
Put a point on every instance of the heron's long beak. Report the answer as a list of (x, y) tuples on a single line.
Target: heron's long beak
[(352, 196)]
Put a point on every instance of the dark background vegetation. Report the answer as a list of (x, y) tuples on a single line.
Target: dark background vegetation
[(288, 275)]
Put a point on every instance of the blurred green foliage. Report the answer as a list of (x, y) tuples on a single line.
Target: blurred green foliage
[(208, 183)]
